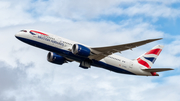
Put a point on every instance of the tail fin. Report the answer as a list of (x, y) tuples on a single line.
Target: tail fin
[(150, 57)]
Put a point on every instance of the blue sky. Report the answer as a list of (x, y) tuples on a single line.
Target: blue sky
[(25, 74)]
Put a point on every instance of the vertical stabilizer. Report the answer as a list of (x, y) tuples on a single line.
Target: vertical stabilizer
[(150, 57)]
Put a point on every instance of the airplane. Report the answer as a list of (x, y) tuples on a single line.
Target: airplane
[(63, 51)]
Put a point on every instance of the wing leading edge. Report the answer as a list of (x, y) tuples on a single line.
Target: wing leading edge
[(105, 51)]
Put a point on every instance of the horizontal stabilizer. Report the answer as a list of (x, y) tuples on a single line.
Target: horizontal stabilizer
[(157, 69)]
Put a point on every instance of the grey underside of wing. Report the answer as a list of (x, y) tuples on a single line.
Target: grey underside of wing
[(157, 69), (105, 51)]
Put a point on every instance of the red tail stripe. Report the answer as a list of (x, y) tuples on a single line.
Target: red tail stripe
[(39, 32), (153, 73), (142, 62), (154, 51)]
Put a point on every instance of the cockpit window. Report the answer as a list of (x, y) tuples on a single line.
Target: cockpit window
[(23, 31)]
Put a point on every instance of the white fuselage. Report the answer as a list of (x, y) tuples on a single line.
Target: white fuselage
[(63, 47)]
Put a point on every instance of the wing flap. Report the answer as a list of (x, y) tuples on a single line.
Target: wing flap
[(157, 69)]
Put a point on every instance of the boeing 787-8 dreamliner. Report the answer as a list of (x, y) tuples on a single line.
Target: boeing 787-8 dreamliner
[(63, 51)]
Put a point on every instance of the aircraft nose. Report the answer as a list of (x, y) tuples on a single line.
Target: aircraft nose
[(21, 33), (17, 35)]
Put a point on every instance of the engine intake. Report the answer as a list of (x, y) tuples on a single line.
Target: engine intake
[(55, 58), (81, 50)]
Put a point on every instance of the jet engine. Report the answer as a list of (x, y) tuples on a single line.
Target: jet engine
[(81, 50), (55, 58)]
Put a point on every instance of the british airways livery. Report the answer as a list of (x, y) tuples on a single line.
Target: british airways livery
[(63, 51)]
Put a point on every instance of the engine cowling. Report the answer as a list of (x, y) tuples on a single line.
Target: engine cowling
[(81, 50), (55, 58)]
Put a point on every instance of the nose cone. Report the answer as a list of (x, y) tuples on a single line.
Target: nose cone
[(21, 33), (17, 35)]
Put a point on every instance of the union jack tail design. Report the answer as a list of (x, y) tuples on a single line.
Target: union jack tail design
[(150, 57)]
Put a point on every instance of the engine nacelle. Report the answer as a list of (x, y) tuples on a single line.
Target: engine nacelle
[(81, 50), (55, 58)]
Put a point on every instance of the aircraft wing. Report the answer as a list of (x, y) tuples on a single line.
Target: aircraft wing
[(105, 51), (157, 69)]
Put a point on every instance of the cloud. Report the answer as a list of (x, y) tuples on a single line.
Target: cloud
[(11, 78), (152, 10), (61, 84), (25, 73), (30, 11), (46, 81), (12, 13), (169, 85)]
